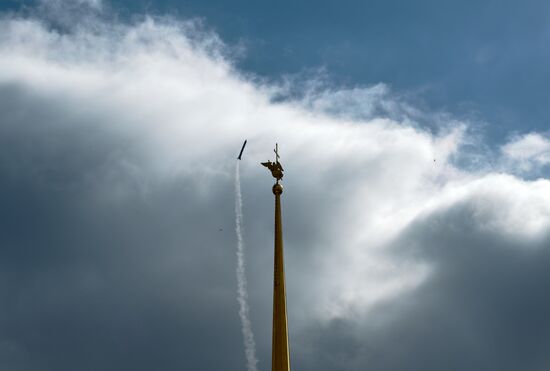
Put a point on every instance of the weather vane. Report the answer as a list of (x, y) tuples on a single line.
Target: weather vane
[(275, 167)]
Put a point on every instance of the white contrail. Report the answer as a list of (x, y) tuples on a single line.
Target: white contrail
[(242, 293)]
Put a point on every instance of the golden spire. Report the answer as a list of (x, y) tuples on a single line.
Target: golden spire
[(280, 360)]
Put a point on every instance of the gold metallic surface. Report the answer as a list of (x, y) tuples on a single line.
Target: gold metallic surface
[(280, 356), (275, 167)]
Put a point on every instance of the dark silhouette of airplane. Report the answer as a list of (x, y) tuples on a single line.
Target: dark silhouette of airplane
[(242, 149)]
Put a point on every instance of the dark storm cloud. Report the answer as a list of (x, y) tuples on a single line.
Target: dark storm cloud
[(117, 143), (94, 283), (483, 308)]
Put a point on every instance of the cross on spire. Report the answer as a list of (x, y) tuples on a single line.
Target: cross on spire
[(276, 150)]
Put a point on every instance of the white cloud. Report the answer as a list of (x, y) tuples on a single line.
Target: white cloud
[(527, 152), (353, 185), (186, 108)]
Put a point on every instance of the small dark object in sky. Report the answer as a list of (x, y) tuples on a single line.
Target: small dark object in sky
[(242, 149)]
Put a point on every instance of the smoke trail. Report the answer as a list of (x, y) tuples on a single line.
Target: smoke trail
[(242, 293)]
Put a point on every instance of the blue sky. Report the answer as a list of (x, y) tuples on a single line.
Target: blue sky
[(416, 205)]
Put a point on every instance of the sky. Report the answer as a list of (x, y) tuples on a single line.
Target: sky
[(416, 204)]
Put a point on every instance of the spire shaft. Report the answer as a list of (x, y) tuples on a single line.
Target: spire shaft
[(280, 352), (280, 360)]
